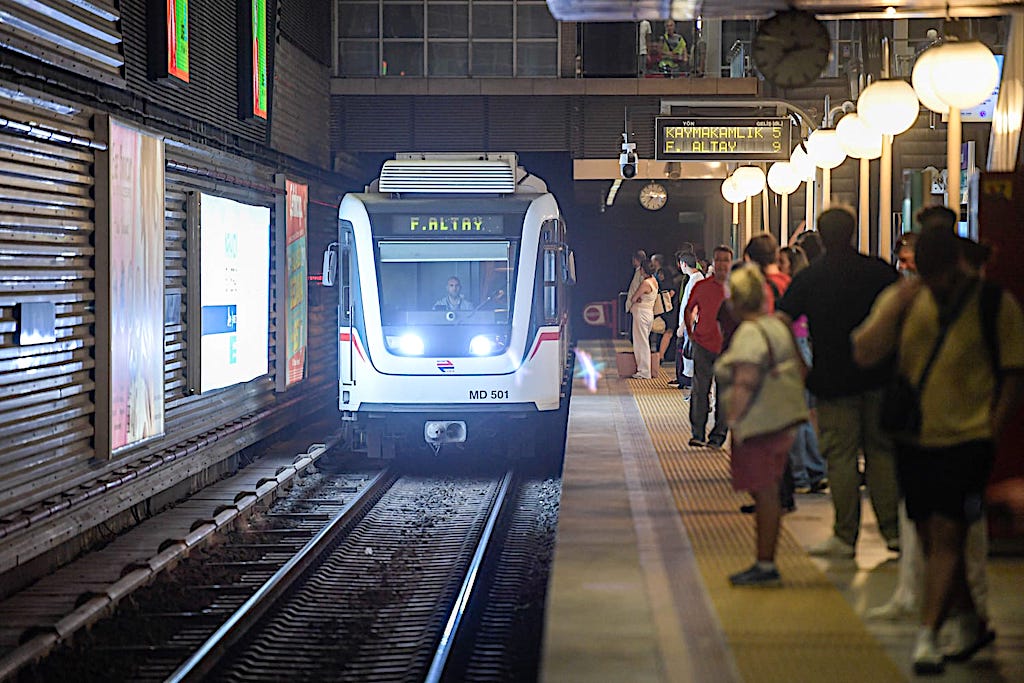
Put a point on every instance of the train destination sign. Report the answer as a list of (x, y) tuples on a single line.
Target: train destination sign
[(447, 224), (723, 139)]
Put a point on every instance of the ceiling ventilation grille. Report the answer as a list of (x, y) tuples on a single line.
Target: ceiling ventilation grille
[(448, 176)]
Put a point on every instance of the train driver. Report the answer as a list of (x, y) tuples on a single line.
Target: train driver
[(453, 300)]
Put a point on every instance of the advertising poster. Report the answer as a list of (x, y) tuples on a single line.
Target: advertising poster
[(177, 39), (234, 291), (259, 58), (136, 286), (294, 292)]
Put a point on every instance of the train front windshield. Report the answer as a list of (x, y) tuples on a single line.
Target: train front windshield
[(446, 298)]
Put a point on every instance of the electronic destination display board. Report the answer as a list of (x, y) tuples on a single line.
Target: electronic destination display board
[(447, 224), (723, 139)]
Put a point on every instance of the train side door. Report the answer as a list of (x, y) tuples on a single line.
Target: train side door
[(346, 331)]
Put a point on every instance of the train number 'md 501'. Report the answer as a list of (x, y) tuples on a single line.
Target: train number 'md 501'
[(484, 394)]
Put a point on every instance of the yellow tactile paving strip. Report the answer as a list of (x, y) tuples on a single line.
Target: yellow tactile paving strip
[(805, 631)]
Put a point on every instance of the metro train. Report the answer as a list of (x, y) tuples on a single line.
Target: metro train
[(453, 274)]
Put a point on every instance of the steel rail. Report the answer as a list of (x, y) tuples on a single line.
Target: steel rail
[(437, 665), (206, 657)]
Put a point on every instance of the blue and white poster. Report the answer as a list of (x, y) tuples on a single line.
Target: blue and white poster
[(235, 291)]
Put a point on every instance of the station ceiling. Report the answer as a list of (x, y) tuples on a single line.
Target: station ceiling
[(634, 10)]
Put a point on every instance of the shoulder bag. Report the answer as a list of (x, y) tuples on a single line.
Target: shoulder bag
[(901, 399), (663, 302)]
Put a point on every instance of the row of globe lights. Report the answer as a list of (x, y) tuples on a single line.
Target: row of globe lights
[(946, 78)]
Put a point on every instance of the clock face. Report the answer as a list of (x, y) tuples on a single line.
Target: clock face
[(791, 49), (653, 196)]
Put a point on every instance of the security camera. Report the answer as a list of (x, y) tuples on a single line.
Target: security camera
[(627, 159)]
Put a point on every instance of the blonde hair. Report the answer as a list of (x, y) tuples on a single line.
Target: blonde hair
[(746, 290)]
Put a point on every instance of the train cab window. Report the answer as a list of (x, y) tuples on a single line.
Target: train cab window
[(447, 294)]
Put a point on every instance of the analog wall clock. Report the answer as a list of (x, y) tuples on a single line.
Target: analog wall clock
[(791, 49), (653, 196)]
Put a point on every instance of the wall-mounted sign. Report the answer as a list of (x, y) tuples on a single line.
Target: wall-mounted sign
[(723, 139), (167, 27), (252, 59)]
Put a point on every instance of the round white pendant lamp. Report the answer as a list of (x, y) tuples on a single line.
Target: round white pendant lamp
[(782, 179), (964, 74), (824, 149), (861, 142), (889, 106), (733, 191), (921, 78), (801, 164), (857, 139), (751, 179)]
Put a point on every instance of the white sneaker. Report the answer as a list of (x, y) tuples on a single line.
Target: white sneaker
[(833, 546), (928, 659), (966, 635), (890, 611)]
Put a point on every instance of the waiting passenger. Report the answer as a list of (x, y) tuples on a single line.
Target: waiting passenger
[(701, 316), (643, 318), (453, 300), (836, 293), (943, 325), (760, 377)]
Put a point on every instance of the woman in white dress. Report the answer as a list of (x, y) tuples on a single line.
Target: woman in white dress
[(643, 318)]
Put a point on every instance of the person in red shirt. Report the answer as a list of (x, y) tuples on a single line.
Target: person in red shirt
[(701, 315)]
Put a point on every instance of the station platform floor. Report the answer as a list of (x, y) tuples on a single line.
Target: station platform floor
[(649, 530)]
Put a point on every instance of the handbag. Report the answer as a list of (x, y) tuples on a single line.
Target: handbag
[(779, 401), (658, 326), (663, 302)]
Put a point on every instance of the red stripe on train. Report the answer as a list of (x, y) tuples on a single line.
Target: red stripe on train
[(344, 336), (543, 337)]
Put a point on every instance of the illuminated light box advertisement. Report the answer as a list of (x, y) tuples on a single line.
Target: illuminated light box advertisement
[(252, 58), (235, 298), (168, 39), (136, 286), (292, 282), (177, 39)]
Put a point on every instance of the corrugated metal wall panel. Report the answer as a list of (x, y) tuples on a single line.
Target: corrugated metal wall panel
[(374, 124), (588, 127), (212, 91), (301, 106), (81, 37), (307, 23), (45, 256), (446, 123), (526, 124)]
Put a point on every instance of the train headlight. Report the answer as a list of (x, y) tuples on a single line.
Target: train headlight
[(407, 344), (486, 345)]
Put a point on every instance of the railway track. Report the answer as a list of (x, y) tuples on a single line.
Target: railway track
[(376, 591)]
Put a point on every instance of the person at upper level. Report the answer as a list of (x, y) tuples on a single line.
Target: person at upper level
[(673, 57)]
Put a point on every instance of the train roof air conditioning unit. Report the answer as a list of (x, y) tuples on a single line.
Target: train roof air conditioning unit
[(449, 174)]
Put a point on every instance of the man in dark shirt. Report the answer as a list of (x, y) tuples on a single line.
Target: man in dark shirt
[(836, 293), (701, 315)]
